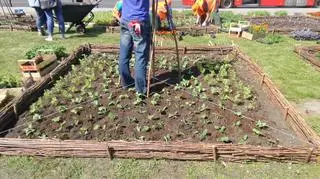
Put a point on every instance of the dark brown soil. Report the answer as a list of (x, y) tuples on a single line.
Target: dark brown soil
[(288, 22), (191, 111)]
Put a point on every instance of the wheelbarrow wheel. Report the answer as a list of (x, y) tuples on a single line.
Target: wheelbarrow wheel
[(80, 28)]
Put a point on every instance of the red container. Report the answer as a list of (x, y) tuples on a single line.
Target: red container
[(187, 2)]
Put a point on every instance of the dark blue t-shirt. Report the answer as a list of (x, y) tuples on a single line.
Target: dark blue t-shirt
[(135, 10)]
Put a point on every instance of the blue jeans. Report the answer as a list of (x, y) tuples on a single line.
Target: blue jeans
[(59, 14), (44, 16), (129, 41), (49, 16), (41, 17)]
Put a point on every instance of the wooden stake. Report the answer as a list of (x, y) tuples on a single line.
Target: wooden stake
[(110, 152), (215, 156), (286, 113), (309, 155), (262, 81)]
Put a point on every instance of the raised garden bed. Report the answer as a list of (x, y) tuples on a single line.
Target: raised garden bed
[(229, 99), (286, 24), (311, 54), (24, 23)]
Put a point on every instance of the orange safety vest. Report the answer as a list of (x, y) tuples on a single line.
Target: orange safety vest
[(162, 11), (201, 7)]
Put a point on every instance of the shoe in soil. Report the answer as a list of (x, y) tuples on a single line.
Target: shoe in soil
[(49, 39)]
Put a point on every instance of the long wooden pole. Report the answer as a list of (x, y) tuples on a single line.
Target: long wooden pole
[(172, 28), (152, 46)]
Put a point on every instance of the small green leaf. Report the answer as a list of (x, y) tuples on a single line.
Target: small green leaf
[(238, 123), (146, 129), (261, 124), (56, 119), (112, 116), (257, 132), (96, 127), (245, 137), (239, 114), (222, 129), (224, 139), (36, 117), (167, 137), (203, 134)]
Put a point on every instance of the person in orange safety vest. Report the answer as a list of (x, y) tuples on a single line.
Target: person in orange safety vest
[(162, 12), (203, 10)]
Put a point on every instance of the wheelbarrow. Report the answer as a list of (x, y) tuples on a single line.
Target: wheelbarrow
[(75, 13)]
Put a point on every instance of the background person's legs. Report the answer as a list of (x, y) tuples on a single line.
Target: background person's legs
[(49, 16), (40, 21), (59, 14)]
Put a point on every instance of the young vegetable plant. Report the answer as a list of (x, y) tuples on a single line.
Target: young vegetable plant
[(155, 99), (203, 135), (224, 139), (167, 137)]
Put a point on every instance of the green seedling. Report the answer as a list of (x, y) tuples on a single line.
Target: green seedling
[(224, 139), (257, 132), (167, 137), (146, 129), (77, 110), (36, 117), (133, 120), (102, 110), (261, 125), (62, 109), (203, 135), (153, 117), (163, 110), (96, 127), (123, 96), (56, 119), (155, 99), (238, 123), (112, 116), (29, 130), (214, 90)]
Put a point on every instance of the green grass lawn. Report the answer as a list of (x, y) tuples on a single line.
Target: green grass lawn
[(297, 80)]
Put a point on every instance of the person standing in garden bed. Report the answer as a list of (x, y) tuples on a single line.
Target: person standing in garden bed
[(203, 10), (135, 34)]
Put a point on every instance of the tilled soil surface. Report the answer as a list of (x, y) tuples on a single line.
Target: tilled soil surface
[(288, 22), (218, 100)]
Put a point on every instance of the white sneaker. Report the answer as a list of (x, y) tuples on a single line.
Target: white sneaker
[(49, 38)]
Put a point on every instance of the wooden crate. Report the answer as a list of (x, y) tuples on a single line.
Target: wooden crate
[(36, 64), (250, 36), (36, 75)]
